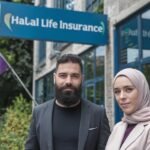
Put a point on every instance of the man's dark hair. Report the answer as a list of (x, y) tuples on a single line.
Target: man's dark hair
[(69, 58)]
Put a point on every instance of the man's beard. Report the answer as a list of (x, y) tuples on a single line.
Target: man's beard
[(68, 97)]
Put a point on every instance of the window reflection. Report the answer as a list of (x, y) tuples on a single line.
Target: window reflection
[(45, 88), (100, 92), (40, 91), (146, 71), (89, 65), (100, 56), (93, 5), (132, 55), (146, 33), (89, 91), (49, 86), (129, 42), (93, 64), (42, 52)]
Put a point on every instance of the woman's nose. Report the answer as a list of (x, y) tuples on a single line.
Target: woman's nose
[(122, 94)]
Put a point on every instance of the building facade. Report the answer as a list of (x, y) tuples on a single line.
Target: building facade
[(129, 38)]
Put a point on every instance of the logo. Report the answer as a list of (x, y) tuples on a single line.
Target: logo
[(7, 20), (102, 27)]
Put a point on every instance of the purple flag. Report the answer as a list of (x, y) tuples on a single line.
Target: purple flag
[(3, 65)]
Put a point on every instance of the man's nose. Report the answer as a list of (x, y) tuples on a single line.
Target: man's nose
[(68, 80)]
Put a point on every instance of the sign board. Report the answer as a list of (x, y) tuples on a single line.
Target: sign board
[(50, 24)]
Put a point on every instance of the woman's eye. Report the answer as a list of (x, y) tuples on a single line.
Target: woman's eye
[(116, 91), (129, 89)]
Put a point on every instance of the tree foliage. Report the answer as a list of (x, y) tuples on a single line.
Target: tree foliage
[(14, 130), (19, 53)]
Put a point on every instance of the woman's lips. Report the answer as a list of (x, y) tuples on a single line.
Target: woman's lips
[(124, 105)]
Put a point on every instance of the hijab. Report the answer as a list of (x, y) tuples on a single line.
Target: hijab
[(142, 113)]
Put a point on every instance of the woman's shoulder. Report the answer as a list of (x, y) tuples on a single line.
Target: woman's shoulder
[(120, 123), (146, 125), (119, 126)]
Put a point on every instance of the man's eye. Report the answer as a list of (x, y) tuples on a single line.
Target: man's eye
[(62, 75), (75, 76)]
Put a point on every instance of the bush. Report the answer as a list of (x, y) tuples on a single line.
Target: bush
[(15, 126)]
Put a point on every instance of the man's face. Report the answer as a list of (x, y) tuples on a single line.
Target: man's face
[(68, 83)]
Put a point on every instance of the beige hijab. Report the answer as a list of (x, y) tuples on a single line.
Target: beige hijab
[(142, 113)]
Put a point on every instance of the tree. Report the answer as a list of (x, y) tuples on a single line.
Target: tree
[(19, 54), (15, 125)]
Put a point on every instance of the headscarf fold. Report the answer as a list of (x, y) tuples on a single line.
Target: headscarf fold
[(142, 113)]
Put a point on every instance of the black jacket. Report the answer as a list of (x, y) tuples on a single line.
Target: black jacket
[(93, 133)]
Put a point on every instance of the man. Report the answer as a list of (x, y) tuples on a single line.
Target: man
[(68, 122)]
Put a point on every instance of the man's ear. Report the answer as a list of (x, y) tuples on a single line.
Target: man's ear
[(54, 76)]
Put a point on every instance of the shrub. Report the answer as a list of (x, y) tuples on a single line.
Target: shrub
[(16, 123)]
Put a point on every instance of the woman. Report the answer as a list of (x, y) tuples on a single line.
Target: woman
[(132, 93)]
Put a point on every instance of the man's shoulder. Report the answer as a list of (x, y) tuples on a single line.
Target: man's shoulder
[(44, 105), (93, 105)]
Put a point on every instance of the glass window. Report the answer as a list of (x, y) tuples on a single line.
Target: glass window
[(64, 4), (89, 92), (93, 67), (49, 85), (100, 92), (59, 3), (45, 88), (94, 5), (42, 52), (100, 56), (89, 65), (129, 42), (57, 46), (40, 91), (146, 33), (146, 71)]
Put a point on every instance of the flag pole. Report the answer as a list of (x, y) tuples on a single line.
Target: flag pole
[(20, 81)]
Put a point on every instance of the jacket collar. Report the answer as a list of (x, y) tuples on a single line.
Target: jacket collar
[(49, 124), (135, 133), (84, 124)]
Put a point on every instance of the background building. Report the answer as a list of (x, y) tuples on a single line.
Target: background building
[(129, 38)]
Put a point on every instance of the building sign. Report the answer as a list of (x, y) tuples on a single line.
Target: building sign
[(50, 24)]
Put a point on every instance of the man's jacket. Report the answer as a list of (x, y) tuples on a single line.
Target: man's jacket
[(93, 132)]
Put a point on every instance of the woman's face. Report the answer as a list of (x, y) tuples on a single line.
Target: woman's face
[(126, 95)]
